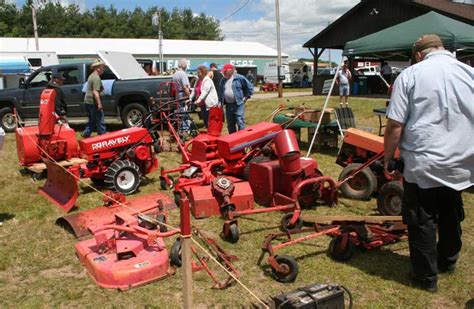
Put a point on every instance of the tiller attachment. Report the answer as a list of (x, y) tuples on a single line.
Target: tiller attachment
[(60, 187)]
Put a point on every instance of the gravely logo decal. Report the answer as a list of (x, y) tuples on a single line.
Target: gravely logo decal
[(111, 142)]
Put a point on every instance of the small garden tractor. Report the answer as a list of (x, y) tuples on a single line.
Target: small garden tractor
[(357, 149), (117, 159)]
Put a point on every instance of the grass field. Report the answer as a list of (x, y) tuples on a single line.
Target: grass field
[(39, 269)]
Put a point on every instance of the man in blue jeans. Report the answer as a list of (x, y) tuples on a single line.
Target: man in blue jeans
[(234, 90), (93, 101)]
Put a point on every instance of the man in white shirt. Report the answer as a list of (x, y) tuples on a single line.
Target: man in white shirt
[(431, 119), (343, 80)]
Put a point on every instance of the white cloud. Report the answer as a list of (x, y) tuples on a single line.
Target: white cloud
[(300, 21)]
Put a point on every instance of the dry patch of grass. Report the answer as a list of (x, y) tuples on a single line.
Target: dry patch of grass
[(38, 266)]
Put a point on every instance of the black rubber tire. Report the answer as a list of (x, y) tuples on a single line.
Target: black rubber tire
[(286, 219), (161, 218), (40, 176), (293, 269), (234, 235), (389, 198), (341, 255), (113, 173), (361, 186), (177, 198), (164, 185), (132, 114), (257, 159), (175, 254), (7, 121)]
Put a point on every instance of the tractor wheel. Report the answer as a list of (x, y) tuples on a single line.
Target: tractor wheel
[(97, 182), (7, 120), (123, 176), (257, 159), (233, 235), (161, 218), (290, 269), (132, 115), (341, 254), (175, 254), (361, 186), (164, 185), (389, 198), (285, 221)]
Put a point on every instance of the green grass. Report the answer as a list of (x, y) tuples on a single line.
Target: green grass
[(38, 266)]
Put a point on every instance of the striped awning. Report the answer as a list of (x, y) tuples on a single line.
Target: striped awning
[(14, 65)]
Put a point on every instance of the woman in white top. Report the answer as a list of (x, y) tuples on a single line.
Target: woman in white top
[(204, 93)]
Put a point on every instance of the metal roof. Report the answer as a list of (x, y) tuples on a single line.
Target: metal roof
[(139, 47)]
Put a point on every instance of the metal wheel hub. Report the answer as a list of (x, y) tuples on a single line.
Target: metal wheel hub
[(134, 117), (125, 180), (9, 121)]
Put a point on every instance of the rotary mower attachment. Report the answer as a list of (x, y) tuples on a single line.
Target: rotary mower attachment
[(201, 261), (127, 253), (348, 232), (80, 223)]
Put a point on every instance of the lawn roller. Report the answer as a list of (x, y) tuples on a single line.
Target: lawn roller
[(348, 232), (117, 159), (357, 149)]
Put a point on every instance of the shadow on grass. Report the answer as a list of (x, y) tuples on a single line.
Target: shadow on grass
[(384, 264), (6, 216)]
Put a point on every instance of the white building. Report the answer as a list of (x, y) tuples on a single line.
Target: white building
[(246, 55)]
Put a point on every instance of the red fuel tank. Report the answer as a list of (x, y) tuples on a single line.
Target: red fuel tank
[(232, 146)]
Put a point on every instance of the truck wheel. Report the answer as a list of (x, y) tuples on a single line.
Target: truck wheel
[(389, 199), (7, 120), (290, 269), (123, 176), (132, 115), (361, 186)]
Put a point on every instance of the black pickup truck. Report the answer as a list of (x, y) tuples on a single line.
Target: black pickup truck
[(127, 98)]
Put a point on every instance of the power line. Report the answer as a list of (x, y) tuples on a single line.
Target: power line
[(236, 11)]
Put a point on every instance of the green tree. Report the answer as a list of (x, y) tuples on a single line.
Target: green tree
[(55, 20)]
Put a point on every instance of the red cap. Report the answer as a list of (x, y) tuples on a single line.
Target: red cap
[(227, 66)]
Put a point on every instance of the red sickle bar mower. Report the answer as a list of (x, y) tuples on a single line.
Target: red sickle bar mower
[(347, 233), (357, 149)]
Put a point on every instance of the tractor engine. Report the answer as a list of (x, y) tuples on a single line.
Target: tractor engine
[(133, 144)]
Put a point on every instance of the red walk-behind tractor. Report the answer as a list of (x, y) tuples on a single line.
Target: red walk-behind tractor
[(116, 159), (357, 149)]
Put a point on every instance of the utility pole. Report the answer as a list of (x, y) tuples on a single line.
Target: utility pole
[(156, 21), (35, 27), (279, 64)]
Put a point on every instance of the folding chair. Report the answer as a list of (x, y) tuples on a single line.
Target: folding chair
[(345, 119)]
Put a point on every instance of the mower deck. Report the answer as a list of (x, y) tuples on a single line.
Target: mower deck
[(80, 223)]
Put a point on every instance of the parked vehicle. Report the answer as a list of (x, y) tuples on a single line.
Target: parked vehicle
[(368, 71), (270, 74), (127, 91)]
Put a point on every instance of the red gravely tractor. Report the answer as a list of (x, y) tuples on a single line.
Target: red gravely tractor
[(357, 149), (117, 159)]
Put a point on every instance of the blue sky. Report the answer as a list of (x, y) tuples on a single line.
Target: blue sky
[(300, 19)]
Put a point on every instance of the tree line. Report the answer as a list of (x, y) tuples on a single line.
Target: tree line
[(55, 20)]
